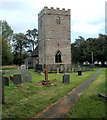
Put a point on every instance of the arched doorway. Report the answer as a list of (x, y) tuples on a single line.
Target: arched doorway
[(58, 57)]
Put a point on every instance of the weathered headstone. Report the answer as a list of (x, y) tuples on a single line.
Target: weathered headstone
[(3, 71), (61, 68), (17, 79), (6, 81), (23, 67), (18, 70), (65, 68), (79, 72), (38, 67), (11, 71), (27, 77), (57, 70), (66, 78)]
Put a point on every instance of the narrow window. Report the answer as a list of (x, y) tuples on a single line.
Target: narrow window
[(58, 20), (41, 23)]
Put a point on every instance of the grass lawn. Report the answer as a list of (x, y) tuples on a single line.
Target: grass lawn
[(28, 101), (89, 105)]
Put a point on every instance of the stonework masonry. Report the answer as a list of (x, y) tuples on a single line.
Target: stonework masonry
[(54, 37)]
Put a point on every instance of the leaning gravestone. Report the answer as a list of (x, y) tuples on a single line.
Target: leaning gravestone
[(66, 78), (6, 81), (17, 79), (27, 77)]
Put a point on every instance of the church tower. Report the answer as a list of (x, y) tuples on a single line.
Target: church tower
[(54, 37)]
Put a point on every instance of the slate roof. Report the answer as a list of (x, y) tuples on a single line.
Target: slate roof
[(35, 52)]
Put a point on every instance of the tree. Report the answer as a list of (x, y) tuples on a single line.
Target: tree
[(77, 50), (32, 38), (7, 34), (82, 49), (102, 48), (20, 44)]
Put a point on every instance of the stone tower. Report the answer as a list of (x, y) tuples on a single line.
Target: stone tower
[(54, 37)]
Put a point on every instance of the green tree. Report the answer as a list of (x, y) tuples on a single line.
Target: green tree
[(7, 34), (32, 36), (82, 49), (77, 50), (20, 43), (102, 48)]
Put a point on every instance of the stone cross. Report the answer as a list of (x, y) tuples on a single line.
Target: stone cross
[(46, 72)]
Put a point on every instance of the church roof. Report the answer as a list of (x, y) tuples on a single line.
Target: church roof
[(35, 52)]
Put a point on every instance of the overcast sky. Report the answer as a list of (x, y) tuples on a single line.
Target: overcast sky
[(87, 16)]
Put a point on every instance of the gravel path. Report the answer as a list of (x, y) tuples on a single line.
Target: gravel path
[(60, 108)]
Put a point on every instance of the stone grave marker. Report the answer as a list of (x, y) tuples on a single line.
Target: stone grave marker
[(23, 67), (66, 78), (57, 70), (11, 71), (3, 71), (38, 67), (6, 81), (27, 77), (17, 79), (18, 70)]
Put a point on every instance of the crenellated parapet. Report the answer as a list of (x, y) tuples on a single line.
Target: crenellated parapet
[(52, 11)]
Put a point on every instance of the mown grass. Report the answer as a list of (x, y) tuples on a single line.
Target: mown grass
[(26, 102), (90, 105)]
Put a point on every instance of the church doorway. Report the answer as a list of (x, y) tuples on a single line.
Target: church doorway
[(58, 57)]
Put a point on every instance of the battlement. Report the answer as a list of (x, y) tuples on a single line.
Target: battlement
[(54, 11)]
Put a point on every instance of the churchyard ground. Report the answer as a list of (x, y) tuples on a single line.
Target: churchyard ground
[(89, 105), (30, 98)]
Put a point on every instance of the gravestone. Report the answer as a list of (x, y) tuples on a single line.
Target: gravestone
[(38, 67), (65, 68), (18, 70), (66, 78), (61, 68), (79, 72), (11, 71), (3, 71), (17, 79), (27, 77), (57, 70), (23, 67), (6, 81)]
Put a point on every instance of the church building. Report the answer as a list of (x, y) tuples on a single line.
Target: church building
[(54, 42)]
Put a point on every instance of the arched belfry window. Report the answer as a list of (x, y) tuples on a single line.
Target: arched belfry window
[(58, 57), (58, 20)]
